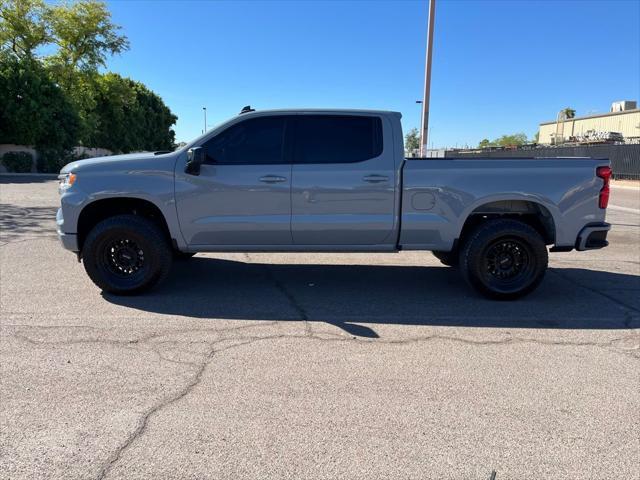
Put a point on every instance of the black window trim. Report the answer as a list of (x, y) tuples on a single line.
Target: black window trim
[(289, 138), (285, 157)]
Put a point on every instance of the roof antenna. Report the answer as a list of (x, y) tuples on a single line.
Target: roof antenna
[(247, 109)]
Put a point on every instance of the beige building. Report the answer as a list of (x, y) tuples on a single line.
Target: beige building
[(624, 119)]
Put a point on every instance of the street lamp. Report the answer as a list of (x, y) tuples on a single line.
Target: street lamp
[(204, 109), (427, 80)]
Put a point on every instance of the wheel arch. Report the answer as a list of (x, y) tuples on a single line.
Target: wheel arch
[(101, 209), (538, 214)]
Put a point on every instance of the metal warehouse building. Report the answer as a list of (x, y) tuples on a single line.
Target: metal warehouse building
[(624, 118)]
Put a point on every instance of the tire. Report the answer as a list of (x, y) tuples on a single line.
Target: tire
[(504, 259), (450, 259), (182, 256), (126, 254)]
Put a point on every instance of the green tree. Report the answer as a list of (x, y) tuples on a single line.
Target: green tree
[(412, 141), (513, 140), (130, 117), (23, 27), (156, 119), (33, 108), (536, 137), (81, 32), (103, 110), (84, 35), (568, 112), (516, 139)]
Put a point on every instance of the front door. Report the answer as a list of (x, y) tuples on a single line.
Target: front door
[(243, 193), (343, 181)]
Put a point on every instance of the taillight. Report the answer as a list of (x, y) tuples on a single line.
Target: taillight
[(605, 174)]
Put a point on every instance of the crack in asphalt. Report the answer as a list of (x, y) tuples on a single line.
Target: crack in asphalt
[(194, 375), (293, 302), (143, 421), (4, 242), (324, 337), (131, 341), (140, 429), (157, 339), (197, 377), (241, 340)]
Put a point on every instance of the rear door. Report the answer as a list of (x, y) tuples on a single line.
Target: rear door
[(343, 180), (243, 193)]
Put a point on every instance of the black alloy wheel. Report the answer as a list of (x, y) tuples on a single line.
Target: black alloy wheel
[(126, 254), (504, 259)]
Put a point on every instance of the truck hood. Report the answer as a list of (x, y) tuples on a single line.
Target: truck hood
[(114, 161)]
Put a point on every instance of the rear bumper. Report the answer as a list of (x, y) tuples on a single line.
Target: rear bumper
[(593, 237)]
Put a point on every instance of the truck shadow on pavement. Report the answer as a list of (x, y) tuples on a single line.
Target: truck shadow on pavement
[(345, 295)]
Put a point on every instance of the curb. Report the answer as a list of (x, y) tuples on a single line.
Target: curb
[(27, 175), (625, 186)]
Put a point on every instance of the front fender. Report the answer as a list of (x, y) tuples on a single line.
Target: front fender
[(153, 186)]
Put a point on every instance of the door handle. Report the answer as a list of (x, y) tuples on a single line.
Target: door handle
[(272, 179), (375, 178)]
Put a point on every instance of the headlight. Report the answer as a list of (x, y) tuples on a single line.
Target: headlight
[(66, 180)]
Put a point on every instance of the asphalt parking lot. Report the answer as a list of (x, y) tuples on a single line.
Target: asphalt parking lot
[(325, 366)]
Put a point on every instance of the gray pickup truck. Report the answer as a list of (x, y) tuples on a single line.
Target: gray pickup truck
[(327, 180)]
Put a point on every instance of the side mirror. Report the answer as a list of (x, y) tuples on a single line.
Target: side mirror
[(195, 158)]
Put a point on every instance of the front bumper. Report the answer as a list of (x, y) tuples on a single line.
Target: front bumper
[(69, 240), (593, 237)]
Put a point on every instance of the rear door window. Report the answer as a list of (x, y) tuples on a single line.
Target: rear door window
[(337, 138)]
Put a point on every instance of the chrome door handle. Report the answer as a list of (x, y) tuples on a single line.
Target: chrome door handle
[(272, 179), (375, 178)]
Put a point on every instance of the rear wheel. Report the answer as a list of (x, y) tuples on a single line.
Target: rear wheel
[(126, 254), (504, 259), (450, 259)]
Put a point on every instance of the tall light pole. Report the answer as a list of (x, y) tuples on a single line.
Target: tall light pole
[(204, 109), (427, 80)]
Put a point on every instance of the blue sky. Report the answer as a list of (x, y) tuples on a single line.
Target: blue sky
[(499, 66)]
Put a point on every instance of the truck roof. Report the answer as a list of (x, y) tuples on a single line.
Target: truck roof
[(340, 111)]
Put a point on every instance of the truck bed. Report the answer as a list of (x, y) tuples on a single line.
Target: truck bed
[(439, 194)]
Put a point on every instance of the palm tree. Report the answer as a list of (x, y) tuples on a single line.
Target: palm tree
[(568, 112)]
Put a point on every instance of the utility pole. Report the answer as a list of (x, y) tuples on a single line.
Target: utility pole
[(427, 80), (205, 119)]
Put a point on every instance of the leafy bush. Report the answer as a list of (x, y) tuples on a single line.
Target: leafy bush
[(51, 161), (129, 117), (19, 162), (60, 100), (33, 108)]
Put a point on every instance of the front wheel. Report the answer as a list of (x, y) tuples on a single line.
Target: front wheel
[(126, 254), (504, 259)]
